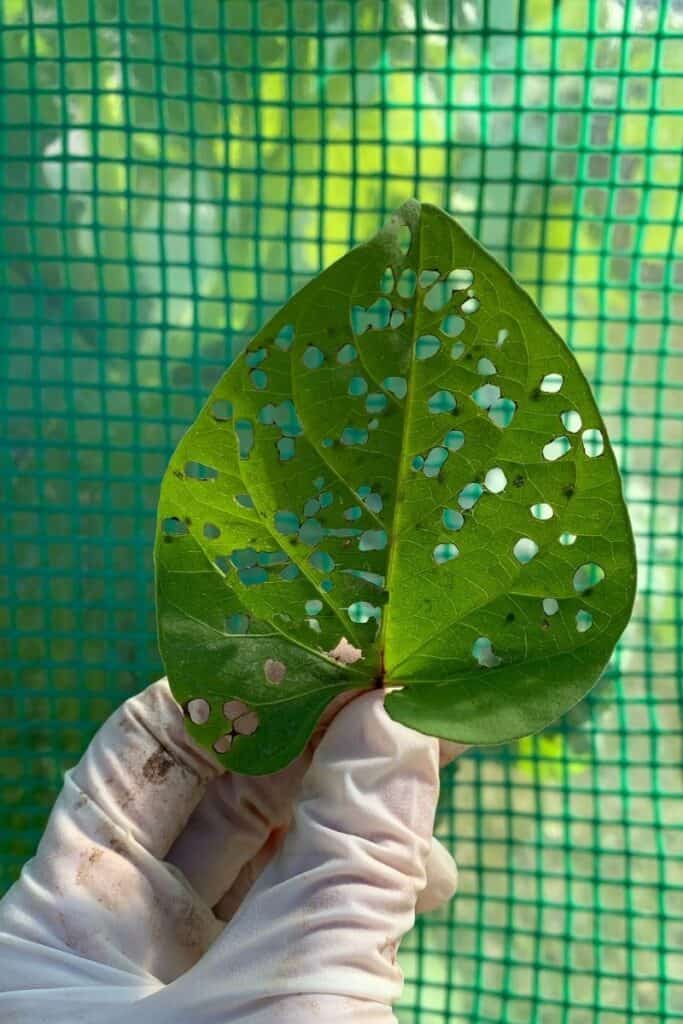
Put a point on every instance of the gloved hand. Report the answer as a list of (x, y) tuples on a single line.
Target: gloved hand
[(151, 848)]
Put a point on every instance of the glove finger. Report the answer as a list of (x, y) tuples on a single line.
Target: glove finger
[(442, 879), (230, 826), (342, 891), (235, 818), (97, 887)]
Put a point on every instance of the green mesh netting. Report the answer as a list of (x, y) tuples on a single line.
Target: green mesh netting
[(170, 173)]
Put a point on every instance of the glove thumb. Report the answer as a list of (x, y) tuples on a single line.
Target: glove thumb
[(328, 913)]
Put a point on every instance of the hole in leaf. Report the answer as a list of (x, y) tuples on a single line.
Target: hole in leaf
[(222, 410), (470, 495), (357, 387), (198, 710), (453, 325), (375, 316), (355, 512), (322, 560), (550, 606), (198, 471), (567, 539), (470, 305), (584, 621), (426, 346), (311, 532), (327, 585), (345, 653), (232, 709), (286, 447), (445, 553), (588, 575), (314, 625), (454, 440), (242, 558), (223, 743), (542, 510), (406, 283), (397, 317), (326, 499), (284, 415), (551, 383), (373, 502), (428, 277), (247, 724), (354, 435), (485, 367), (483, 653), (525, 549), (373, 540), (417, 463), (290, 572), (452, 519), (211, 531), (346, 354), (174, 527), (555, 449), (404, 239), (313, 607), (259, 379), (268, 558), (368, 577), (376, 401), (363, 611), (398, 386), (502, 411), (593, 443), (486, 395), (571, 421), (386, 284), (457, 349), (460, 278), (245, 437), (311, 507), (441, 401), (244, 500), (434, 461), (441, 291), (285, 337), (252, 576), (495, 480), (256, 357), (286, 523), (502, 337), (222, 564), (313, 358)]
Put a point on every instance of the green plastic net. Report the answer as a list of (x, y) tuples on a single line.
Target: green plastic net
[(171, 172)]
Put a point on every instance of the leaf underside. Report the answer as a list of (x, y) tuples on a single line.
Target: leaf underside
[(403, 481)]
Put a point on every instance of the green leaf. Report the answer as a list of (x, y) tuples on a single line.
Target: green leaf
[(404, 481)]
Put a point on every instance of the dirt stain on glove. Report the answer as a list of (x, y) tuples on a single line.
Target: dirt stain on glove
[(157, 766)]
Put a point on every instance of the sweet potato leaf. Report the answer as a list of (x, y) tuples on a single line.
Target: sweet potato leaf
[(404, 481)]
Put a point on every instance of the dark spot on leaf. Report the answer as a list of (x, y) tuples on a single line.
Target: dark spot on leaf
[(518, 481), (569, 491), (510, 617)]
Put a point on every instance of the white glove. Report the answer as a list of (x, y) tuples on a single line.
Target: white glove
[(150, 848)]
